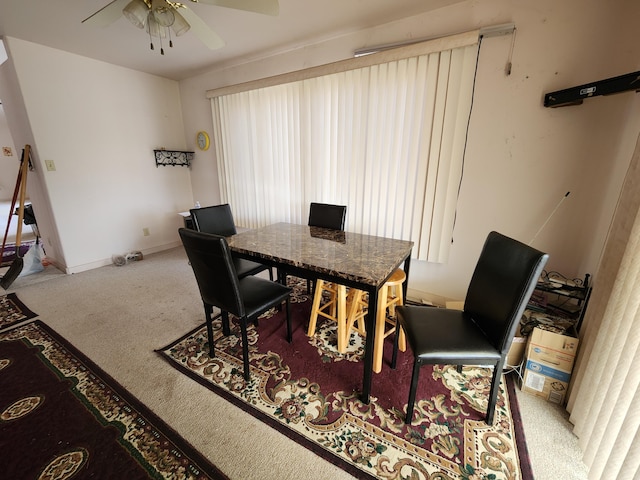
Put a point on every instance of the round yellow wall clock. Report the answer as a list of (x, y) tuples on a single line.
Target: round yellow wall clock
[(202, 138)]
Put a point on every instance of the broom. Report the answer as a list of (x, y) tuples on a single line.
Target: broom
[(18, 262)]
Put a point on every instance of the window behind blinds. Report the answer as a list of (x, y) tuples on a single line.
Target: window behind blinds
[(383, 135)]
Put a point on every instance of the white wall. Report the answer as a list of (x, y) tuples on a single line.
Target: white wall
[(99, 123), (9, 164), (521, 157)]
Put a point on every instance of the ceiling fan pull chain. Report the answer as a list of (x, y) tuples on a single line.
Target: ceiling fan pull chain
[(151, 40)]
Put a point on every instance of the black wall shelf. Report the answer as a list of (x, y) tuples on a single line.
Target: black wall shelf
[(173, 158)]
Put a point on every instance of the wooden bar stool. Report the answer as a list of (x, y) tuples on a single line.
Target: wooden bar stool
[(334, 309), (389, 297)]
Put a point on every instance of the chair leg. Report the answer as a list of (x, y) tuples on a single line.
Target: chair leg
[(396, 338), (226, 330), (315, 307), (493, 393), (313, 289), (282, 280), (356, 311), (380, 323), (289, 335), (342, 318), (412, 391), (402, 339), (245, 348), (208, 312)]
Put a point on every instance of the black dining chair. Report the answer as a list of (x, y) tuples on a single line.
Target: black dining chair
[(326, 215), (220, 286), (480, 334), (218, 219)]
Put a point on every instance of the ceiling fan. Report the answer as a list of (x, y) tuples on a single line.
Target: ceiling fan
[(159, 17)]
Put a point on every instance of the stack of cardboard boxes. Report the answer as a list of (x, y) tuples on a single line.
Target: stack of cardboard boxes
[(548, 363)]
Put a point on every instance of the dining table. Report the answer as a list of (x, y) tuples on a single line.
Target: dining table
[(356, 260)]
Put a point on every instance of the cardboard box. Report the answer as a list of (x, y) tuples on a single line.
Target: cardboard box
[(516, 351), (549, 363)]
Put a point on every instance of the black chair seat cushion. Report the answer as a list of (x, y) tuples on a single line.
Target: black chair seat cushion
[(445, 337), (259, 294)]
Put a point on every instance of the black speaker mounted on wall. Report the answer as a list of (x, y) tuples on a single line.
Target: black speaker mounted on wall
[(576, 95)]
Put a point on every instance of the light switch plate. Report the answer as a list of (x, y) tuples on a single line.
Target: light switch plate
[(51, 166)]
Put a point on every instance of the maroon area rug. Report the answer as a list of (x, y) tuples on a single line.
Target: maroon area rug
[(62, 417), (310, 392), (13, 311)]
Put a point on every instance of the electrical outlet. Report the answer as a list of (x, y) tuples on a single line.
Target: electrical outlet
[(145, 231), (51, 166)]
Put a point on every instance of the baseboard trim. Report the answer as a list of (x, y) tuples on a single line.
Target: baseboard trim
[(108, 261)]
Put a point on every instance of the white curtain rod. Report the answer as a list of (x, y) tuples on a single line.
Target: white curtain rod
[(492, 31)]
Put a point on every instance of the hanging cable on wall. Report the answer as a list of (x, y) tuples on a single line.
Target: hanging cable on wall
[(507, 70), (504, 29)]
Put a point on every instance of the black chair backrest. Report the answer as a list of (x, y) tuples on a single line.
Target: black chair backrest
[(210, 258), (502, 283), (326, 215), (216, 219)]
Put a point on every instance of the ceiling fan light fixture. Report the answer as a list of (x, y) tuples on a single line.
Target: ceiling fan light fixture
[(164, 16), (159, 22), (136, 12), (180, 25), (154, 28)]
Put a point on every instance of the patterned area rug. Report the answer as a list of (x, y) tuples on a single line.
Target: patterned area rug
[(309, 392), (63, 417), (13, 311)]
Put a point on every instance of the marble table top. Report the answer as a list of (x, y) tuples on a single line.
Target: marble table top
[(364, 259)]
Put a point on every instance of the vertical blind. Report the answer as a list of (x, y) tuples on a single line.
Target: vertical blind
[(386, 139), (605, 397)]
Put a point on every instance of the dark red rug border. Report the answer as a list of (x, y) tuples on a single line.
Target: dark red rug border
[(186, 448), (523, 452)]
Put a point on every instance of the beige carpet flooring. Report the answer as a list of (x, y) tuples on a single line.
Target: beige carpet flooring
[(118, 315)]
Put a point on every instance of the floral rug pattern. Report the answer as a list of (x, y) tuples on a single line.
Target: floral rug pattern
[(447, 440)]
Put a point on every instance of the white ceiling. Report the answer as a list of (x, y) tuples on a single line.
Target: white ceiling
[(58, 24)]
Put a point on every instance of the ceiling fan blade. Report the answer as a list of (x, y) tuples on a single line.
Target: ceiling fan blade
[(267, 7), (201, 29), (107, 14)]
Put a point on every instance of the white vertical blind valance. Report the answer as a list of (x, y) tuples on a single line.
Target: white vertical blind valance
[(386, 139)]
